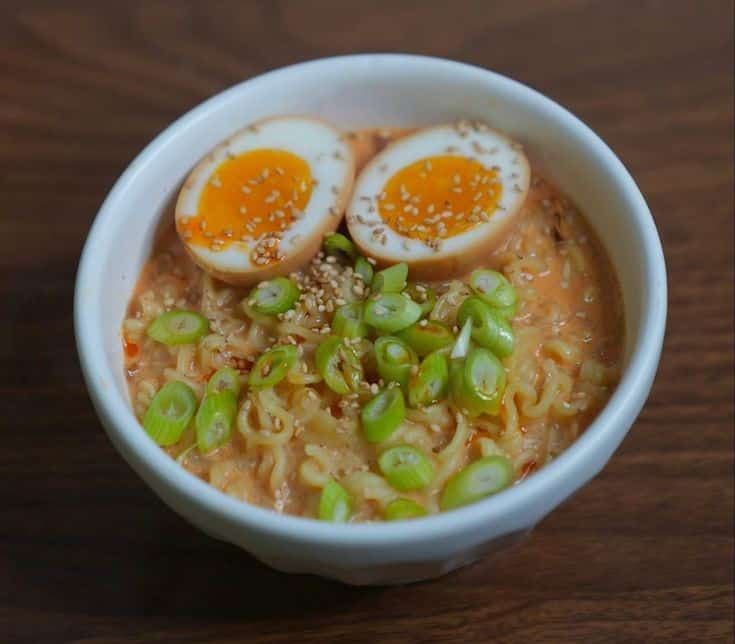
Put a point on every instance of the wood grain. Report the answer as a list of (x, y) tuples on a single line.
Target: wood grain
[(642, 554)]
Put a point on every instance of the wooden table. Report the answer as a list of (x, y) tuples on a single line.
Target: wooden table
[(643, 554)]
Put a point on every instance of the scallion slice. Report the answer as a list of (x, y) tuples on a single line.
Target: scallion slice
[(430, 383), (427, 336), (383, 414), (338, 245), (489, 329), (462, 345), (334, 503), (406, 468), (402, 508), (423, 295), (365, 270), (477, 383), (348, 321), (482, 478), (339, 365), (394, 359), (169, 413), (275, 296), (224, 379), (391, 312), (391, 279), (178, 327), (272, 366), (494, 289), (214, 420)]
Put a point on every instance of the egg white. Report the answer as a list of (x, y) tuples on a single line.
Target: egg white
[(456, 254), (331, 163)]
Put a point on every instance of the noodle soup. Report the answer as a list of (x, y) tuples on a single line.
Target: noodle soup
[(298, 396)]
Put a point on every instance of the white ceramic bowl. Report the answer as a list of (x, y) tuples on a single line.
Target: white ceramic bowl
[(353, 91)]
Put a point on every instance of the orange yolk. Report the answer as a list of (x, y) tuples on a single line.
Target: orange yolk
[(255, 194), (439, 197)]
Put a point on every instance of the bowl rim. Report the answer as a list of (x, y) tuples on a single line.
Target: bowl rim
[(124, 429)]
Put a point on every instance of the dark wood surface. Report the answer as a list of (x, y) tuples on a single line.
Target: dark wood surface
[(87, 554)]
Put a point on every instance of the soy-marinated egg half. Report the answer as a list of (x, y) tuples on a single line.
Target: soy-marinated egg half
[(261, 202), (439, 199)]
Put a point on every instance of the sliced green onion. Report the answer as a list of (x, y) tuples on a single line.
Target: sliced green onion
[(402, 508), (339, 365), (394, 359), (423, 295), (383, 414), (495, 289), (391, 279), (178, 327), (427, 336), (170, 412), (430, 383), (337, 244), (391, 312), (348, 321), (273, 366), (365, 269), (214, 420), (334, 503), (482, 478), (478, 382), (462, 345), (224, 379), (406, 468), (274, 296), (265, 320), (489, 329)]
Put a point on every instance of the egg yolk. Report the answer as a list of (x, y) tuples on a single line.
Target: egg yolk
[(439, 197), (252, 196)]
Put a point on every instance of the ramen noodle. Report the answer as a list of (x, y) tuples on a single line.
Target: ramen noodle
[(299, 445)]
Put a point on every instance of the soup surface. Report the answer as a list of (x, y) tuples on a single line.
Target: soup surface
[(291, 440)]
